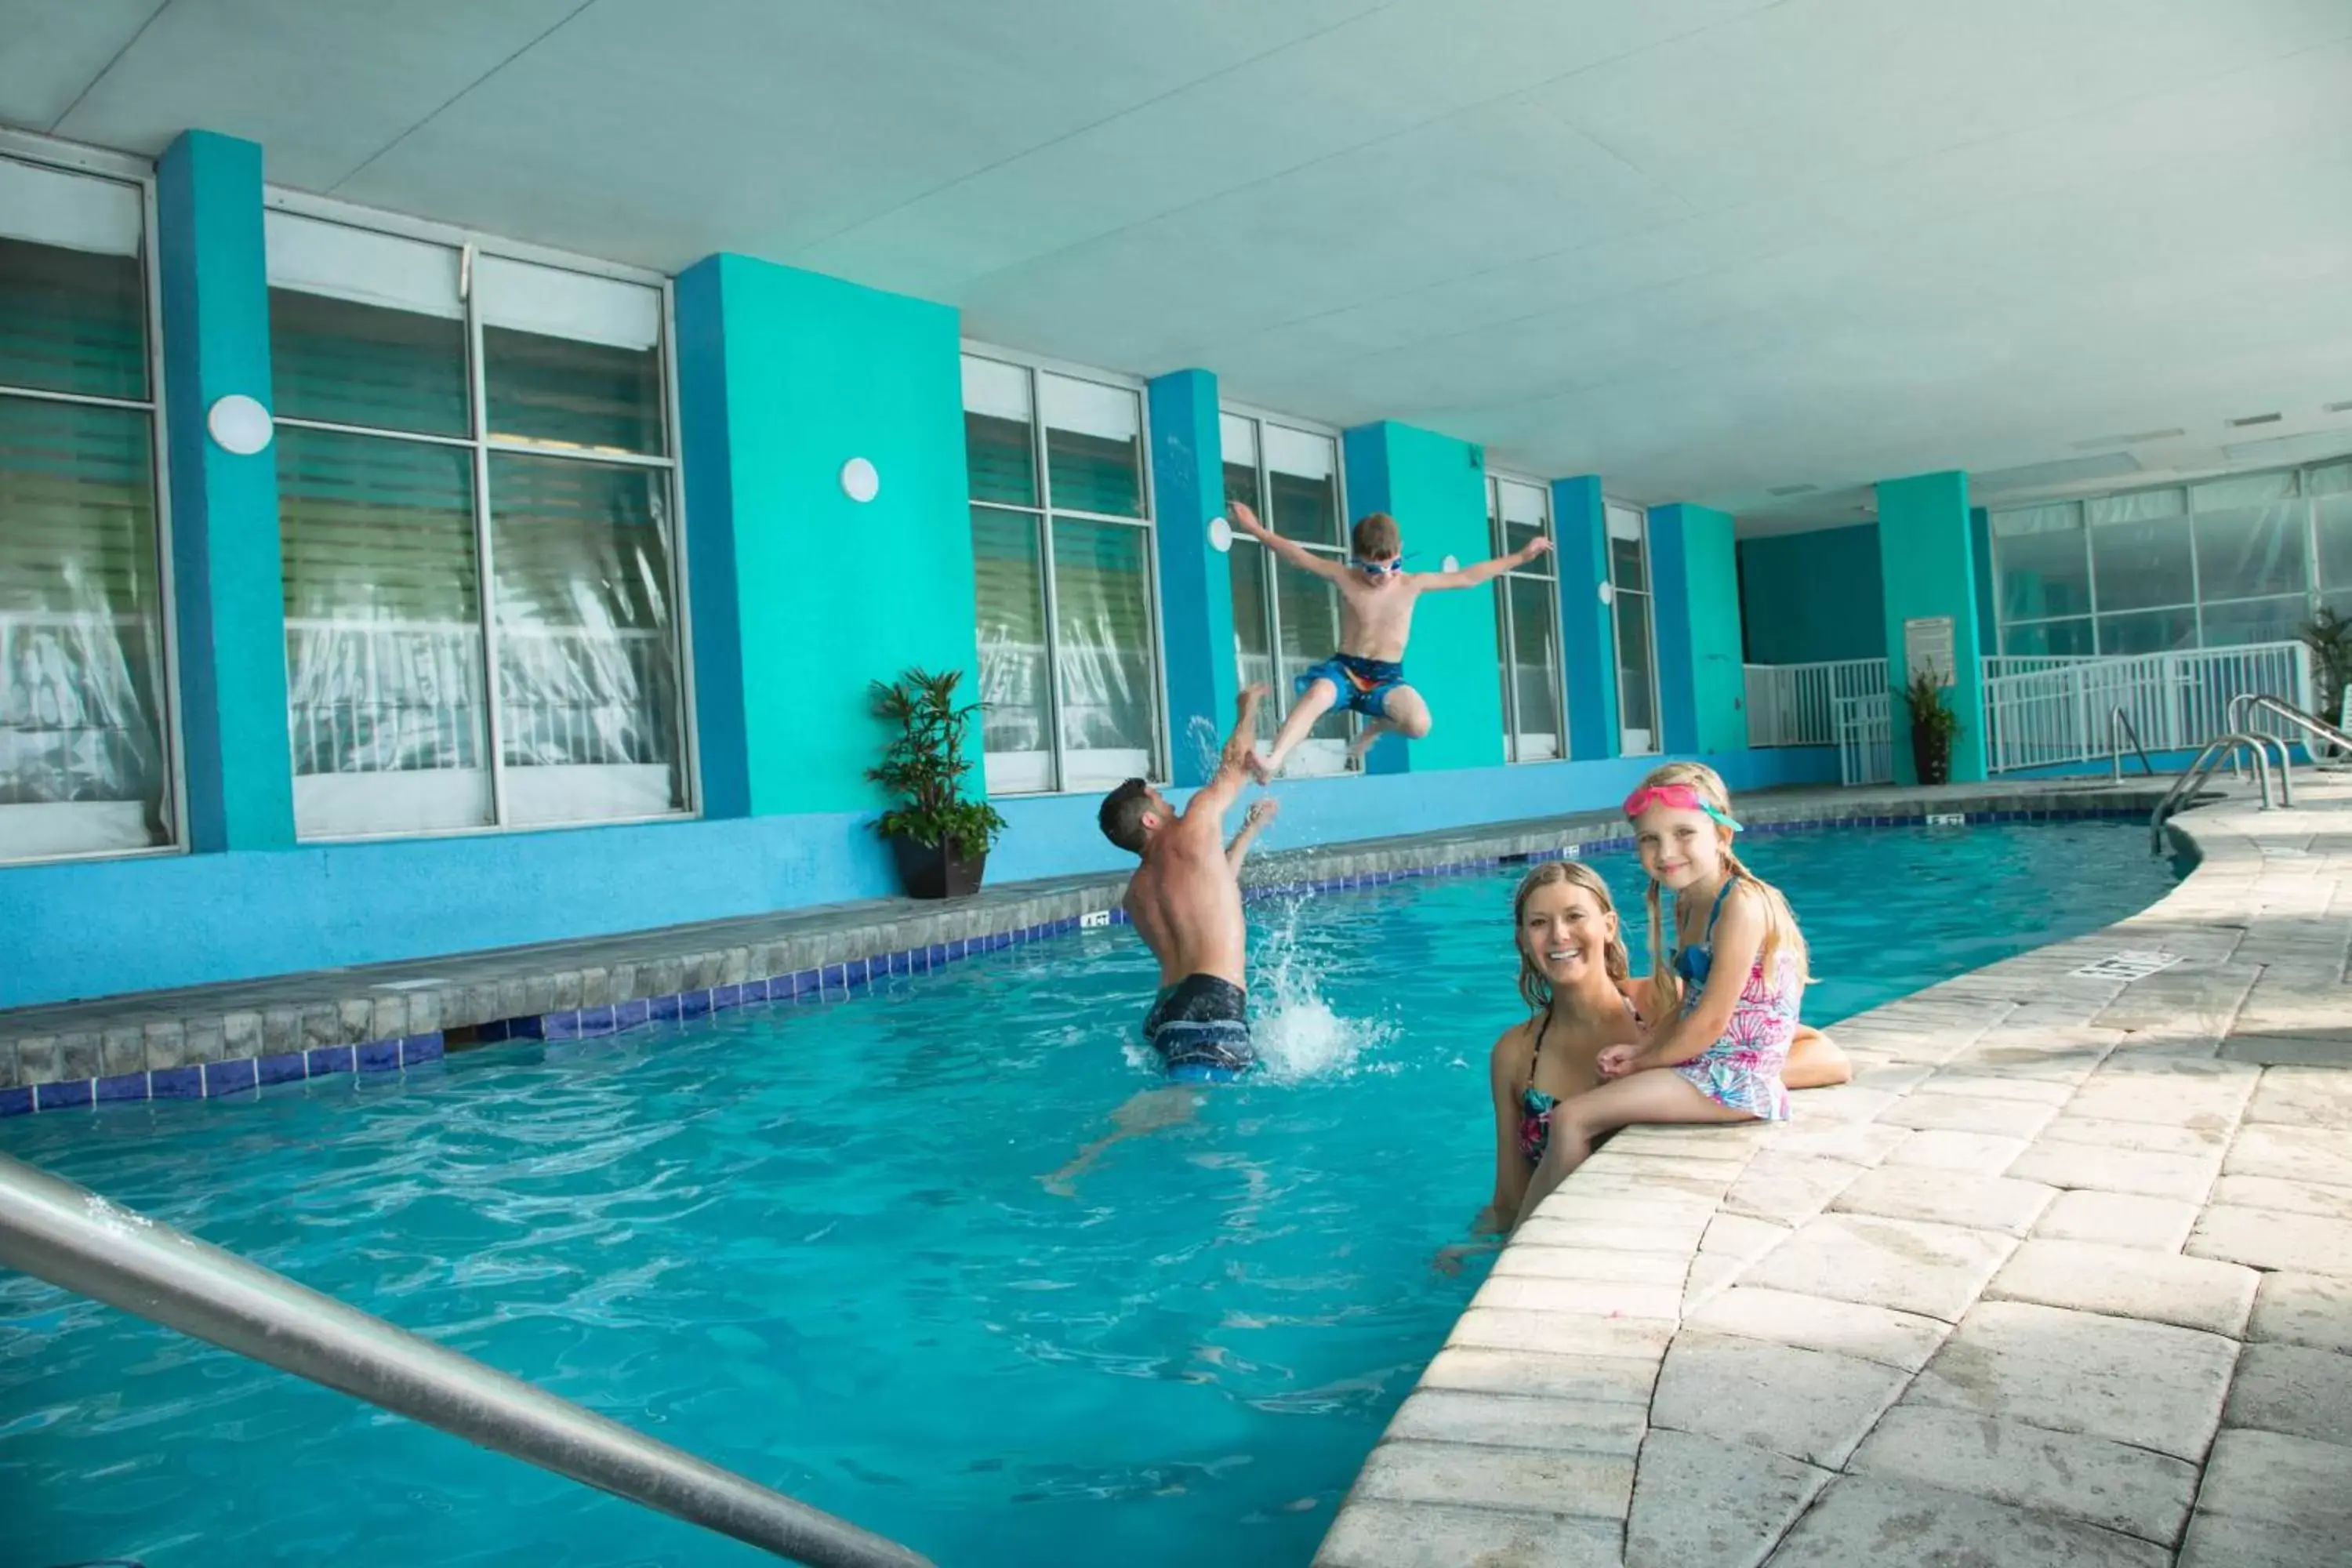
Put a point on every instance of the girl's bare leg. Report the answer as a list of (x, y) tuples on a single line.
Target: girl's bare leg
[(1657, 1096), (1815, 1062)]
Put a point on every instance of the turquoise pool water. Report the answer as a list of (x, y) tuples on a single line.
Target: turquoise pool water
[(814, 1243)]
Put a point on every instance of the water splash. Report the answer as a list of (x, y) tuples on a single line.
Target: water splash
[(1206, 744), (1300, 1036)]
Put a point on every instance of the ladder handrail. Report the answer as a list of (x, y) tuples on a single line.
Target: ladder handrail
[(2311, 723), (2185, 786), (71, 1236), (2119, 724)]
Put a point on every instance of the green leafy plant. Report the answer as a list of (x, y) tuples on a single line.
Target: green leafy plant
[(2328, 636), (1933, 727), (923, 764)]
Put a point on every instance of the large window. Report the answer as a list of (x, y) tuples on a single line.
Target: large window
[(1527, 622), (476, 505), (2218, 564), (1286, 620), (84, 767), (1629, 596), (1061, 552)]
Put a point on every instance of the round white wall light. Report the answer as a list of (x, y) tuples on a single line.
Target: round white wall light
[(1452, 563), (240, 425), (1220, 533), (859, 482), (1608, 594)]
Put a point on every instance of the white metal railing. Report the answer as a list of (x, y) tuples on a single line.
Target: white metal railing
[(2175, 701), (1999, 665), (1795, 704), (1865, 739)]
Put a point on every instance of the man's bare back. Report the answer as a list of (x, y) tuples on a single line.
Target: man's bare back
[(1186, 904)]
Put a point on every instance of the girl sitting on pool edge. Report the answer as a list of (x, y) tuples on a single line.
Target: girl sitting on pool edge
[(1575, 974), (1723, 1012)]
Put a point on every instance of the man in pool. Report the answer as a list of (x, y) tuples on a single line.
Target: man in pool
[(1185, 902)]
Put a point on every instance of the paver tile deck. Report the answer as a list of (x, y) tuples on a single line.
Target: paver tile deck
[(2064, 1275)]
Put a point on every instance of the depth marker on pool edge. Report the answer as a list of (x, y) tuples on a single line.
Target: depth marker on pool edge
[(1095, 918)]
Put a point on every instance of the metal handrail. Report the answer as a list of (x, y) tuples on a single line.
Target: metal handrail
[(2185, 786), (2311, 723), (2119, 724), (71, 1236)]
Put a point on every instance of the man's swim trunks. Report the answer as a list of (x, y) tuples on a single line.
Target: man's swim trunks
[(1364, 683), (1201, 1030)]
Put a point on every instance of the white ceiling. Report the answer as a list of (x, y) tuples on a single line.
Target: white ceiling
[(1707, 249)]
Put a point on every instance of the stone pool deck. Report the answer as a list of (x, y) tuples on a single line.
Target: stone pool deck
[(235, 1038), (2064, 1275)]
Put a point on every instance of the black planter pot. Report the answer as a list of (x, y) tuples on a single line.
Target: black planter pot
[(1931, 756), (931, 871)]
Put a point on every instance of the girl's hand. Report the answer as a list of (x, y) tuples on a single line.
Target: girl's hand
[(1616, 1061)]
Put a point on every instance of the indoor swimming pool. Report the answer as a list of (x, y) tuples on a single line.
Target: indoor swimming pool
[(820, 1243)]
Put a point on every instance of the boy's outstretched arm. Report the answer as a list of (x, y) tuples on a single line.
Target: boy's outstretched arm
[(1290, 550), (1210, 799), (1261, 812), (1486, 570)]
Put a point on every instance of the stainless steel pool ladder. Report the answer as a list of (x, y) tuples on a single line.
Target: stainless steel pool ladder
[(2119, 727), (2184, 788), (2244, 704), (71, 1236)]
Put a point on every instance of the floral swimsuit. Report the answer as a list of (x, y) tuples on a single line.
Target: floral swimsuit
[(1741, 1071)]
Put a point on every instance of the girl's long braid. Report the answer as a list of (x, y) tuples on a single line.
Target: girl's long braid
[(1781, 930)]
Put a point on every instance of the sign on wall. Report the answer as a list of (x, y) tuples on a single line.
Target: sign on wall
[(1928, 645)]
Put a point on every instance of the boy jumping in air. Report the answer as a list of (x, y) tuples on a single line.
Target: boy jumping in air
[(1376, 600)]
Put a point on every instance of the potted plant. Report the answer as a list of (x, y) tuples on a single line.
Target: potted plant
[(2328, 636), (939, 838), (1933, 726)]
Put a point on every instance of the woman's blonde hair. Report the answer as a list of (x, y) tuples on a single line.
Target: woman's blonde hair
[(1781, 932), (1534, 984)]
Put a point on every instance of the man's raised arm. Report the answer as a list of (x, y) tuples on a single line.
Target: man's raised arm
[(1212, 798)]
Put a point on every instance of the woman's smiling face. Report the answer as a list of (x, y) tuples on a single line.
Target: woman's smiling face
[(1566, 934)]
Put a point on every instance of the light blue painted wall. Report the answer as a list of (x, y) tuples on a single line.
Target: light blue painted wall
[(1927, 567), (1196, 582), (1435, 487), (1588, 640), (795, 373), (1695, 584), (1808, 598), (227, 583)]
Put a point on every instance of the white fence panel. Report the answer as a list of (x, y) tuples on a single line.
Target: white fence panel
[(1865, 740), (2176, 702), (1796, 704)]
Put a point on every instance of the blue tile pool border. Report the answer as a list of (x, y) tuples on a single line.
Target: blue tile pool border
[(837, 981)]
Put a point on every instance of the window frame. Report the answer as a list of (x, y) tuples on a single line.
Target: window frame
[(1033, 366), (1505, 618), (1274, 712), (472, 245), (94, 162), (2314, 593), (1648, 595)]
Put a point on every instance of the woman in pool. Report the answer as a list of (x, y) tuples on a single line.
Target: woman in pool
[(1726, 1008), (1574, 973)]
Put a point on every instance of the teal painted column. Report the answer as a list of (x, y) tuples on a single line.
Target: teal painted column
[(1702, 682), (802, 596), (1196, 584), (1435, 487), (1926, 557), (1579, 523), (227, 583)]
